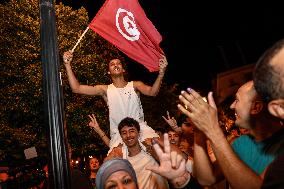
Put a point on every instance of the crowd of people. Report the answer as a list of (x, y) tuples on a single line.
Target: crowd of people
[(193, 151)]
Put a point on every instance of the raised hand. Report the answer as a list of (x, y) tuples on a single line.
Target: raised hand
[(202, 114), (94, 124), (172, 164), (163, 63), (172, 122), (67, 57)]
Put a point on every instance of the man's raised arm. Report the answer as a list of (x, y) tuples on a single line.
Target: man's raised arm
[(73, 82), (154, 89)]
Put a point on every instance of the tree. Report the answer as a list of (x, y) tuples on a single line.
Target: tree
[(21, 116), (21, 103)]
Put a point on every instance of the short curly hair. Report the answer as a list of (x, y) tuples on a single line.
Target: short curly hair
[(268, 80)]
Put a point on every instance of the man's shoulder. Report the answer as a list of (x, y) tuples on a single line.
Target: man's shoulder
[(137, 83)]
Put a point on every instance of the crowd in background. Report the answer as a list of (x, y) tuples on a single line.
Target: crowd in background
[(193, 151)]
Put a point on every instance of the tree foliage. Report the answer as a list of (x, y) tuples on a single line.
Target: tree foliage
[(22, 123), (21, 116)]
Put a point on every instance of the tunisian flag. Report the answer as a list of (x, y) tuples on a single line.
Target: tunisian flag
[(124, 24)]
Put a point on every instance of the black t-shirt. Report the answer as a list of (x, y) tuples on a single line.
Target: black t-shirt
[(274, 177)]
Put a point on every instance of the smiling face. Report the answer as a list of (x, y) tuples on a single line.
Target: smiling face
[(174, 138), (115, 67), (120, 180), (242, 105), (129, 136)]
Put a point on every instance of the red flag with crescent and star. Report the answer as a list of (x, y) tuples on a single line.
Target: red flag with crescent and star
[(125, 24)]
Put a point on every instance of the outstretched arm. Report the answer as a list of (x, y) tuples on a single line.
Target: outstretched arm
[(172, 122), (75, 85), (94, 124), (154, 89)]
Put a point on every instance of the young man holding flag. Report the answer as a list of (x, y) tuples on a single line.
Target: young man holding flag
[(124, 24), (121, 96)]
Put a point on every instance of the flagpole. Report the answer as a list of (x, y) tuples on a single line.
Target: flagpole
[(80, 39)]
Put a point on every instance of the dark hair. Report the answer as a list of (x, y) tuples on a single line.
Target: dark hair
[(169, 128), (267, 79), (129, 122), (181, 119), (160, 129), (87, 165), (124, 66)]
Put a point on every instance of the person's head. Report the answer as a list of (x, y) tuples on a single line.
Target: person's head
[(184, 145), (186, 125), (268, 78), (187, 128), (115, 68), (116, 173), (94, 164), (129, 130), (247, 104), (160, 131), (174, 137)]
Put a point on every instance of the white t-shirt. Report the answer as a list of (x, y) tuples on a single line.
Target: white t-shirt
[(124, 102), (146, 178)]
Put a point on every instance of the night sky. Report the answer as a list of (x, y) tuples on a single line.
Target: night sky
[(201, 40)]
